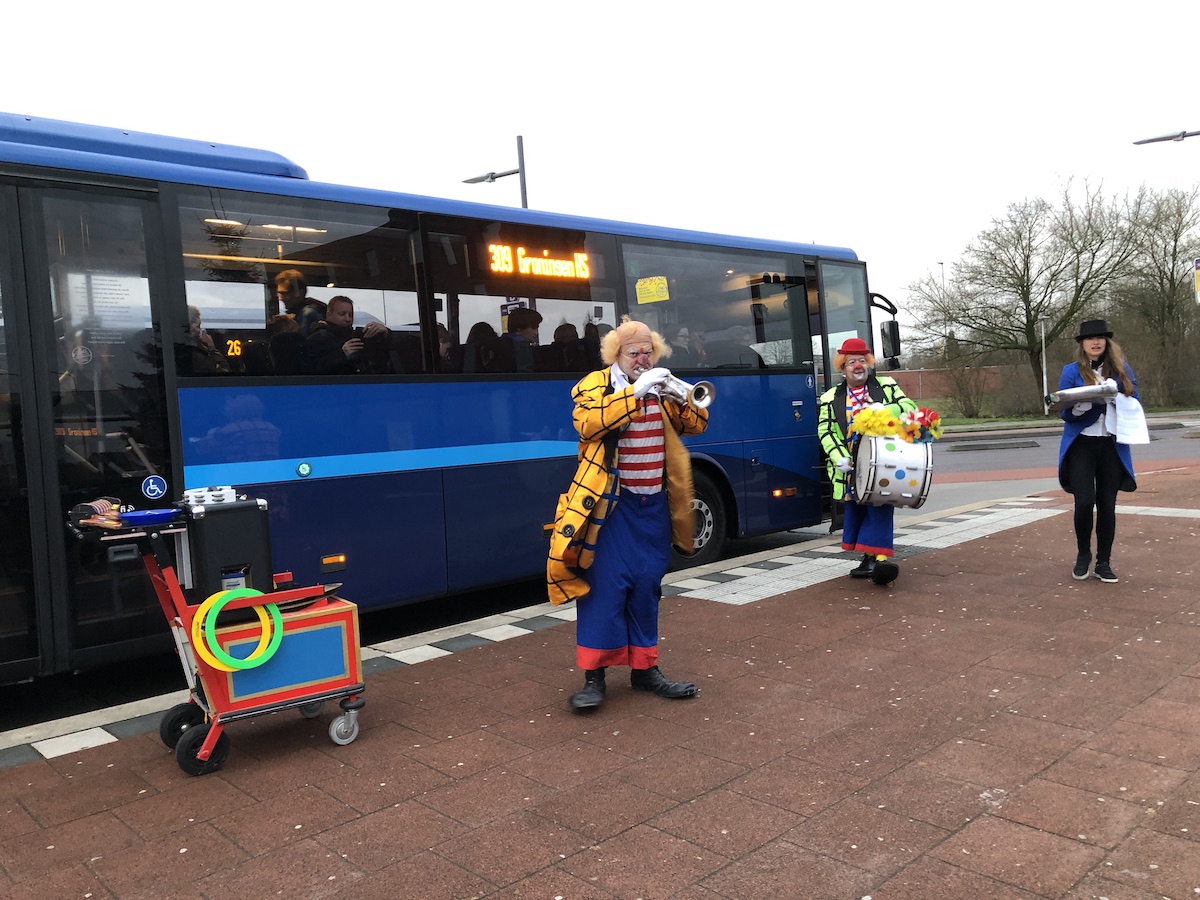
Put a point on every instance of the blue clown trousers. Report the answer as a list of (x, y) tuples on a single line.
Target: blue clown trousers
[(868, 529), (617, 621)]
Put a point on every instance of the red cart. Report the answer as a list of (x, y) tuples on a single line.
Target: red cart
[(313, 636)]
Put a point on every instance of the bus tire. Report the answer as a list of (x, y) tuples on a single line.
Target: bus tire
[(711, 531)]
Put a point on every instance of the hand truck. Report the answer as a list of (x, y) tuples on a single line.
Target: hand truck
[(312, 651)]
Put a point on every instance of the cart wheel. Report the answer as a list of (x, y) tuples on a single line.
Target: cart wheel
[(343, 730), (189, 745), (313, 709), (177, 720)]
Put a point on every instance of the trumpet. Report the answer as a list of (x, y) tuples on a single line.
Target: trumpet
[(699, 395)]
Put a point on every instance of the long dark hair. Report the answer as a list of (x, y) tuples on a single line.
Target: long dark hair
[(1115, 366)]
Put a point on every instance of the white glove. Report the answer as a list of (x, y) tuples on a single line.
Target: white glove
[(1111, 384), (845, 465), (648, 381), (1082, 407)]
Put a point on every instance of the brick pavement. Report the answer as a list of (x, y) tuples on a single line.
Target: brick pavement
[(986, 727)]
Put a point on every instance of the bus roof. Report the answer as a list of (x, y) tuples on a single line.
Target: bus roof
[(26, 140), (96, 139)]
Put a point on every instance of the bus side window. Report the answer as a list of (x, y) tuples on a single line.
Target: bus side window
[(250, 259)]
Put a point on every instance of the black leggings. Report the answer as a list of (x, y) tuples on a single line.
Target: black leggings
[(1094, 472)]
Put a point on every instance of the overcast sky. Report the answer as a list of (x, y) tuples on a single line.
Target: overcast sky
[(897, 129)]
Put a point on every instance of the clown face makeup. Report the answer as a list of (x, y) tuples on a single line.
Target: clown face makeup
[(635, 358), (856, 371)]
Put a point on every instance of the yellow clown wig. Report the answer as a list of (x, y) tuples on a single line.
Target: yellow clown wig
[(632, 332)]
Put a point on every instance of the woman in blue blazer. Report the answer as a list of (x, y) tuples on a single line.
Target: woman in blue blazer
[(1091, 464)]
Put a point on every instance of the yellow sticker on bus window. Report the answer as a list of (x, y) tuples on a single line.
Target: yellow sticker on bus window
[(652, 289)]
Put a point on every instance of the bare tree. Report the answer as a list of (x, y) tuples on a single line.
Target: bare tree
[(1155, 303), (1037, 262)]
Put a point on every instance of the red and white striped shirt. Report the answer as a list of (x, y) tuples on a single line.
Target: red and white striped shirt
[(856, 401), (641, 450)]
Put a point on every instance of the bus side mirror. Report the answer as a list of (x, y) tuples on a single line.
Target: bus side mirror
[(889, 338)]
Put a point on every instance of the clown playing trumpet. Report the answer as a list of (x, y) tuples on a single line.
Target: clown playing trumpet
[(700, 395), (630, 500)]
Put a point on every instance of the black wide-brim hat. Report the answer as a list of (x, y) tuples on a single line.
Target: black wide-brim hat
[(1093, 328)]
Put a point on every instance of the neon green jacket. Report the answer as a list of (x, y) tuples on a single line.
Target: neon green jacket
[(832, 425)]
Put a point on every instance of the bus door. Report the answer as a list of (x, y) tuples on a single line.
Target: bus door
[(82, 417)]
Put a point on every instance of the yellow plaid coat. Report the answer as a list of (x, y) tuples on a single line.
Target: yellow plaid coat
[(601, 413)]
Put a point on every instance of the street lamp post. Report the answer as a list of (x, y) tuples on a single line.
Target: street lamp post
[(1178, 136), (1045, 383), (489, 177)]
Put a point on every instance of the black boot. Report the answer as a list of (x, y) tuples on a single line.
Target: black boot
[(864, 568), (653, 680), (592, 694), (885, 572)]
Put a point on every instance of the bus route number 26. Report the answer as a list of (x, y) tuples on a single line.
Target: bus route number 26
[(233, 348)]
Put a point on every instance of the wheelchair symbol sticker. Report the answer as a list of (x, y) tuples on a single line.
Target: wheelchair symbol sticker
[(154, 487)]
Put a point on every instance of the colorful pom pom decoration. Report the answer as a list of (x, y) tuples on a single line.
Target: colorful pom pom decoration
[(918, 427)]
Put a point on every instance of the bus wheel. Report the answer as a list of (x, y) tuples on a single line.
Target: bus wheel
[(709, 508)]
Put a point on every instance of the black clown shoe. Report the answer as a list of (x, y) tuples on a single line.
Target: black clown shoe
[(654, 680), (592, 693), (864, 568), (885, 572)]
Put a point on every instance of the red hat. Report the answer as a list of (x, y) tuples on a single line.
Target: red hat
[(854, 345)]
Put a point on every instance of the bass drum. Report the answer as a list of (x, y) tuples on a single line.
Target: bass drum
[(889, 471)]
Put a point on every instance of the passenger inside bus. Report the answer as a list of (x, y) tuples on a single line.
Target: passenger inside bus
[(513, 350), (567, 353), (255, 358), (681, 349), (292, 293), (734, 351), (203, 356), (477, 352), (335, 347), (287, 354)]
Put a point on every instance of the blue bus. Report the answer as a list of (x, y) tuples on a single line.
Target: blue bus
[(147, 348)]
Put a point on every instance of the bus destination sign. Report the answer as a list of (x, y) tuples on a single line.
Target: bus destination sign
[(506, 260)]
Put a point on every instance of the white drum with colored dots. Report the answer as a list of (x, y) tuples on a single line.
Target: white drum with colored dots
[(889, 471)]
